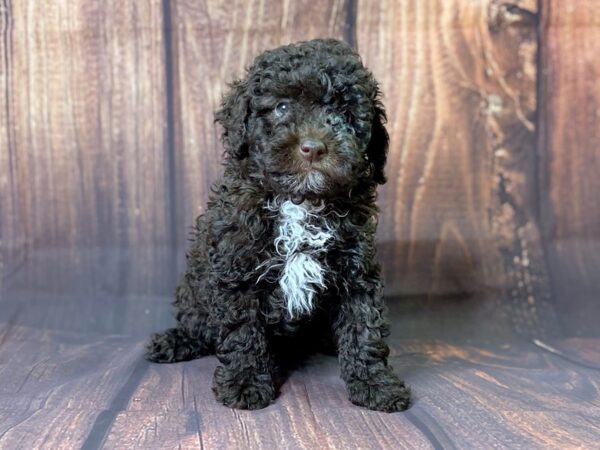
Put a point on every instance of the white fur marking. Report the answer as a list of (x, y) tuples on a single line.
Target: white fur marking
[(302, 238)]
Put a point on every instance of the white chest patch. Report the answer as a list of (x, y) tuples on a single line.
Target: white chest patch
[(302, 239)]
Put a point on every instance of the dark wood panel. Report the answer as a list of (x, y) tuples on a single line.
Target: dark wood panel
[(436, 203), (459, 83), (212, 44), (83, 156), (570, 144)]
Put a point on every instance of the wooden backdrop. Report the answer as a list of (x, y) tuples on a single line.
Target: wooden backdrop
[(108, 146)]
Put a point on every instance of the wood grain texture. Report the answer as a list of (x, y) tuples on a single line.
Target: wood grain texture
[(582, 351), (434, 222), (459, 82), (107, 150), (68, 390), (82, 145), (54, 401), (213, 42), (570, 144)]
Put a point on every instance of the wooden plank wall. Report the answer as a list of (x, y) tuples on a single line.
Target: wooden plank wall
[(570, 147), (108, 146), (82, 145), (460, 79)]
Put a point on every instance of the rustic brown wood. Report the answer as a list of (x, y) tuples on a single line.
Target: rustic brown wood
[(158, 429), (442, 208), (570, 145), (107, 150), (55, 385), (459, 210), (428, 58), (82, 139), (583, 351), (212, 44), (68, 390)]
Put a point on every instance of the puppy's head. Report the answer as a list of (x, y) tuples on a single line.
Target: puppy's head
[(307, 121)]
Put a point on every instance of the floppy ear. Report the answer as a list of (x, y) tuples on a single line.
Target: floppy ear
[(378, 145), (233, 116)]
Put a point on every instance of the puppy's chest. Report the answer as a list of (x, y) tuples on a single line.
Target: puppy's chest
[(304, 236)]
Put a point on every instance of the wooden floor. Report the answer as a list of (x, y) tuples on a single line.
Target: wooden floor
[(66, 382)]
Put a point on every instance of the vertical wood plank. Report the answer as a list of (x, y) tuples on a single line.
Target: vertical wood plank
[(82, 145), (570, 141), (213, 42), (459, 82), (427, 57)]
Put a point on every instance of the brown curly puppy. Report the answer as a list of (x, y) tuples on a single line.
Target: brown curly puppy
[(284, 256)]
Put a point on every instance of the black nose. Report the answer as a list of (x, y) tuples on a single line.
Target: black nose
[(312, 150)]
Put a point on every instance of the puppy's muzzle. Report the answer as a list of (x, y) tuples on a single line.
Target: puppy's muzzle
[(312, 150)]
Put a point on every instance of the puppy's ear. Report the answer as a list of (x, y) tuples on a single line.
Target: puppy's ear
[(378, 145), (233, 116)]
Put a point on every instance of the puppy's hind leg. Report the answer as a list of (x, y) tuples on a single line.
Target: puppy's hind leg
[(190, 339), (173, 345)]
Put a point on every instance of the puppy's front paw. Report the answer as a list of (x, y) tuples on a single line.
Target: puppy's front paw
[(384, 392), (243, 390)]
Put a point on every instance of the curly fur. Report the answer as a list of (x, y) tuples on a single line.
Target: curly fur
[(303, 237), (283, 259)]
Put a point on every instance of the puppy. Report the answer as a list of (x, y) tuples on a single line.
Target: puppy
[(283, 259)]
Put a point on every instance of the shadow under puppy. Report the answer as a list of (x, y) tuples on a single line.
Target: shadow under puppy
[(284, 255)]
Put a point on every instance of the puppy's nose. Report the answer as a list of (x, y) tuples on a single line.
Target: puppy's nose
[(313, 150)]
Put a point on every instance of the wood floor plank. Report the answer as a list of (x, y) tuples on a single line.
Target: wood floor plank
[(346, 425), (555, 429), (288, 423), (584, 351), (564, 389), (54, 370), (469, 423), (497, 378), (154, 430), (65, 390), (55, 428)]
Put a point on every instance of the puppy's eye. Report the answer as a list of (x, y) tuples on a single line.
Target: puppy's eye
[(282, 109)]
